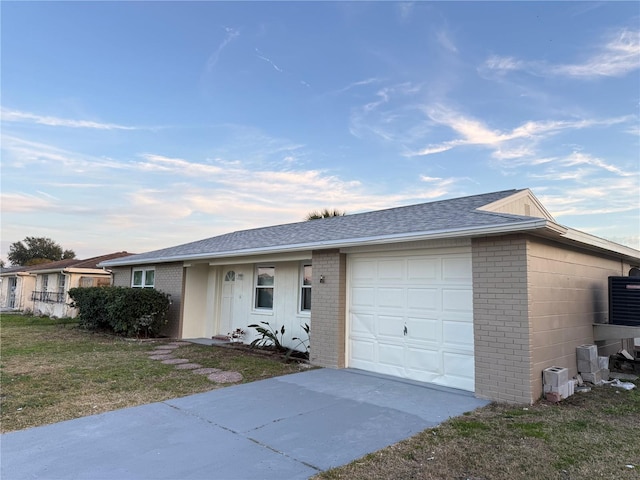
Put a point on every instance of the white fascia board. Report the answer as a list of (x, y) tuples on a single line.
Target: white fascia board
[(87, 271), (602, 244), (514, 227)]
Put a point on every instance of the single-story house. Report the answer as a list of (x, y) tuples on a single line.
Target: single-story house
[(480, 293), (43, 288)]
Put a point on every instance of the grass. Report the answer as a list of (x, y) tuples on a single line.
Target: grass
[(50, 370), (589, 435)]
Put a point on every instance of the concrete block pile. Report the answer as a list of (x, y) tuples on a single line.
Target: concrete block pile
[(592, 369), (556, 384)]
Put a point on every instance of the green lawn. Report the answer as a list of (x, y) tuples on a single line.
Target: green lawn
[(52, 371)]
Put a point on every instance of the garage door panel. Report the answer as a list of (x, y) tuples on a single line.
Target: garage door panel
[(389, 326), (391, 270), (423, 359), (423, 298), (430, 294), (456, 269), (390, 354), (363, 297), (457, 300), (363, 324), (363, 351), (391, 297), (424, 330), (423, 268), (457, 334)]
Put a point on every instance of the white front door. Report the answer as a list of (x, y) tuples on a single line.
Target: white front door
[(411, 315), (226, 311)]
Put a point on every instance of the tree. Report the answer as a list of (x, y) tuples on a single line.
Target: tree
[(37, 250), (326, 213)]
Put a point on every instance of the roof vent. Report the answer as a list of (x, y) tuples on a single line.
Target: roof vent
[(624, 300)]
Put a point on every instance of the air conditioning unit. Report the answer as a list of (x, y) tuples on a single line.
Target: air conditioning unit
[(624, 301)]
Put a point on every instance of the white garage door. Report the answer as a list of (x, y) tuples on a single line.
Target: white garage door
[(411, 316)]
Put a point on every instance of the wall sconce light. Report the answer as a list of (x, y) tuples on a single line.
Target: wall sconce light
[(321, 278)]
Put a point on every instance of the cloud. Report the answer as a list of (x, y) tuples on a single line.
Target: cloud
[(262, 57), (24, 202), (445, 41), (17, 116), (618, 56), (505, 144), (230, 35)]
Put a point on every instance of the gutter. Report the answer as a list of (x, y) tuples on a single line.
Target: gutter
[(524, 226)]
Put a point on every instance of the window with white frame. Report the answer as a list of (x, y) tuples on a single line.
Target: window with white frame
[(305, 288), (143, 278), (45, 282), (61, 282), (265, 281)]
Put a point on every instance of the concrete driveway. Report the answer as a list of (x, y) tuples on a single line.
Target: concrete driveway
[(286, 427)]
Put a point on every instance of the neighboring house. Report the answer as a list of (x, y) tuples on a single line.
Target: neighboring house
[(479, 293), (16, 286), (43, 289)]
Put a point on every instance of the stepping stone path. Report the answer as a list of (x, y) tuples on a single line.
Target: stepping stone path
[(164, 353)]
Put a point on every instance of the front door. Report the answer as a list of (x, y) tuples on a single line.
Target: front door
[(226, 314), (13, 283)]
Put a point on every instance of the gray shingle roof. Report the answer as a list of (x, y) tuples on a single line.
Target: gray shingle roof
[(439, 216)]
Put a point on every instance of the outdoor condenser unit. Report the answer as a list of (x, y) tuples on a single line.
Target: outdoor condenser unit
[(624, 301)]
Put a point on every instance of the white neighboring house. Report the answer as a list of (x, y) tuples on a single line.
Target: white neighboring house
[(44, 289)]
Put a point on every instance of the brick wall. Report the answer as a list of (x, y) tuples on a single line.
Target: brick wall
[(568, 294), (168, 279), (121, 276), (501, 321), (328, 306)]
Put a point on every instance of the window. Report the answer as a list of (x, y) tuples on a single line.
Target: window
[(143, 278), (45, 283), (305, 288), (61, 282), (265, 277)]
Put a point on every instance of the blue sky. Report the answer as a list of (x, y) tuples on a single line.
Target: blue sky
[(141, 125)]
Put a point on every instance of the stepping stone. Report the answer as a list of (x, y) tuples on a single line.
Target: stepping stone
[(178, 344), (225, 377), (160, 357), (206, 371), (168, 346), (161, 351), (188, 366), (175, 361)]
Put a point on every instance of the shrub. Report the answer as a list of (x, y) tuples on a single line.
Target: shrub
[(131, 312)]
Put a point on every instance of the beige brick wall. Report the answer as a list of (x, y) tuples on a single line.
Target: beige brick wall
[(568, 293), (501, 327), (328, 307), (121, 276)]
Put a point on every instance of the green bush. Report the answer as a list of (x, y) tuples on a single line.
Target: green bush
[(131, 312)]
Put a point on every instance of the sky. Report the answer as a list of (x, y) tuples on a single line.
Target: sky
[(142, 125)]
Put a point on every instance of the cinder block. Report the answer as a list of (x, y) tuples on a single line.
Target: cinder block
[(605, 374), (555, 376), (603, 362), (595, 377), (564, 391), (588, 366), (587, 357), (587, 352)]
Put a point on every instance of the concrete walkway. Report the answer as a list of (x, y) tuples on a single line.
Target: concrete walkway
[(288, 427)]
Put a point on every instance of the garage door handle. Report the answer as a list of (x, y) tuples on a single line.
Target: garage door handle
[(405, 330)]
